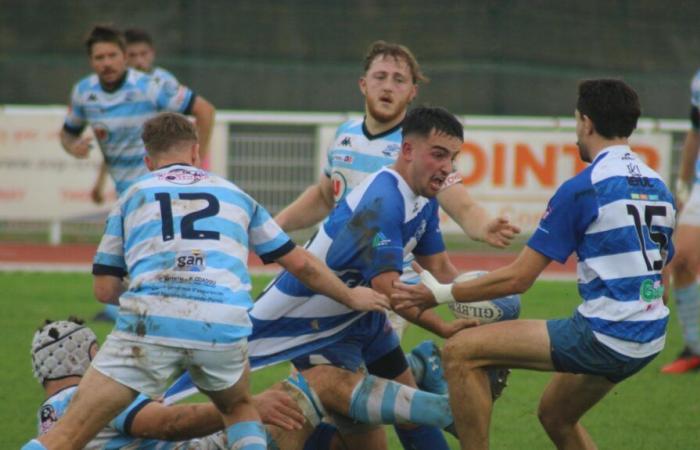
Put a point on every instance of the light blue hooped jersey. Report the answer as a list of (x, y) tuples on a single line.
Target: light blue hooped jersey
[(117, 118), (183, 237)]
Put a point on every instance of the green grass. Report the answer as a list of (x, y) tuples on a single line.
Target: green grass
[(648, 411)]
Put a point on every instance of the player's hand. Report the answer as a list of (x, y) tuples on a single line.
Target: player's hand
[(96, 194), (279, 409), (500, 232), (413, 295), (366, 299), (457, 325), (409, 296), (80, 148)]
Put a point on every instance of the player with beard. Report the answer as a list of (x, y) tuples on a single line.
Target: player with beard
[(361, 147)]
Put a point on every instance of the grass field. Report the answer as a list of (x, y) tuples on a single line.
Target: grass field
[(649, 411)]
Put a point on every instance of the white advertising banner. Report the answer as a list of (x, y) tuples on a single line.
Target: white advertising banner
[(38, 179), (514, 173)]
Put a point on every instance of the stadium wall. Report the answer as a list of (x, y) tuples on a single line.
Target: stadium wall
[(510, 164)]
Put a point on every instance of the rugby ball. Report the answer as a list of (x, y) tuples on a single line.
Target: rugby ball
[(486, 311)]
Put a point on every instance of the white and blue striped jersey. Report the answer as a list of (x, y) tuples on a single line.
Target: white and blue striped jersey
[(370, 232), (355, 154), (182, 235), (117, 118), (163, 75), (116, 435), (618, 216)]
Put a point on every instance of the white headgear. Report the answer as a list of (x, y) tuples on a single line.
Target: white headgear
[(61, 349)]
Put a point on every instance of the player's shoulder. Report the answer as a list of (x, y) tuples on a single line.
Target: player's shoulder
[(87, 83), (160, 75), (351, 126)]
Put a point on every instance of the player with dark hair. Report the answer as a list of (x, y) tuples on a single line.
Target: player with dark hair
[(390, 214), (618, 216)]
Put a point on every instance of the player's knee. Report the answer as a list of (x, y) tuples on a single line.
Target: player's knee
[(551, 419), (456, 353), (324, 378)]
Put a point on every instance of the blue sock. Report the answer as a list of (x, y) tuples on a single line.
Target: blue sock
[(33, 445), (422, 438), (379, 401), (688, 304), (321, 438), (246, 436)]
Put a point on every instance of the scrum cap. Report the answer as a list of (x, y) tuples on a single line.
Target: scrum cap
[(61, 349)]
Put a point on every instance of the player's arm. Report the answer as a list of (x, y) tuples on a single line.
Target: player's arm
[(108, 288), (311, 207), (689, 154), (318, 277), (75, 145), (515, 278), (429, 320), (193, 420), (474, 219), (97, 192), (203, 113)]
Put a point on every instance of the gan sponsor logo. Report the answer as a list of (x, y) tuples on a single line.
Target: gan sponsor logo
[(193, 261)]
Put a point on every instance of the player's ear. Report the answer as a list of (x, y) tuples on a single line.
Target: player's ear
[(149, 162), (362, 83), (414, 92), (194, 154), (407, 150)]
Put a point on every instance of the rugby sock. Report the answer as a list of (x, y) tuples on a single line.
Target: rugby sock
[(378, 401), (33, 445), (321, 438), (246, 436), (422, 438), (688, 303), (417, 367)]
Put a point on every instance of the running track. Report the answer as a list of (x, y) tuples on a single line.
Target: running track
[(78, 257)]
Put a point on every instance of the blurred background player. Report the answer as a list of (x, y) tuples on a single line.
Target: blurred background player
[(685, 264), (361, 147), (61, 354), (115, 101), (186, 305), (618, 216), (140, 55)]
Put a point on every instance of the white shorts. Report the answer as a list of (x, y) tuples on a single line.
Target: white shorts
[(690, 215), (148, 368)]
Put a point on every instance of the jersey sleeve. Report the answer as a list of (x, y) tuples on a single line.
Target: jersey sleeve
[(569, 212), (267, 239), (431, 241), (370, 241), (75, 120), (123, 421), (109, 259), (172, 96)]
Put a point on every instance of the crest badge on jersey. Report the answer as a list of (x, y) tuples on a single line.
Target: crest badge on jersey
[(101, 131), (340, 185), (47, 418)]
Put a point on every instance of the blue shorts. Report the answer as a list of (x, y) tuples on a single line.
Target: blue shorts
[(367, 340), (576, 350)]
